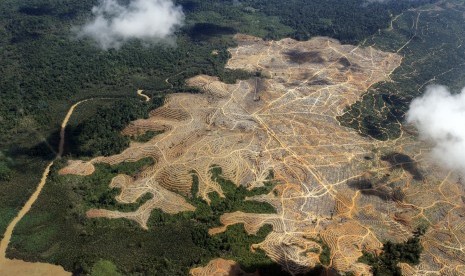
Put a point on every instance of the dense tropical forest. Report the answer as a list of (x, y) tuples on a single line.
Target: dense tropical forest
[(44, 69)]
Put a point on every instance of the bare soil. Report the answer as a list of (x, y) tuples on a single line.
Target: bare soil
[(336, 187)]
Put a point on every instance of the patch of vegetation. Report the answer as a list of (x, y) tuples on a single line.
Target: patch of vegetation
[(22, 176), (57, 230), (5, 172), (432, 54), (393, 253), (104, 268), (204, 31), (145, 137), (234, 244), (234, 200), (347, 20), (325, 255), (235, 196), (209, 19), (96, 195), (100, 134), (325, 252)]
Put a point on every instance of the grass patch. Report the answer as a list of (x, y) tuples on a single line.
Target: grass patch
[(104, 268)]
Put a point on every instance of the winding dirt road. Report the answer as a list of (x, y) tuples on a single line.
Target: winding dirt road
[(19, 267), (139, 92)]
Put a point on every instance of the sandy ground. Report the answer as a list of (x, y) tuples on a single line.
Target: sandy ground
[(220, 267)]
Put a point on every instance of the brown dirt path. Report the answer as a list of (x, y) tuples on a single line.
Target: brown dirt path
[(19, 267), (139, 92)]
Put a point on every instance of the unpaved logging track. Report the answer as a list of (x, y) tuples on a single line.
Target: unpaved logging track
[(140, 93), (19, 267)]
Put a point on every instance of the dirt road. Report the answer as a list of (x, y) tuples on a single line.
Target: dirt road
[(19, 267), (139, 92)]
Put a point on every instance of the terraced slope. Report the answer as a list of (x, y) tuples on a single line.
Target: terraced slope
[(338, 190)]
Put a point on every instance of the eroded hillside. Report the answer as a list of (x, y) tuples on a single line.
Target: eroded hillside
[(336, 188)]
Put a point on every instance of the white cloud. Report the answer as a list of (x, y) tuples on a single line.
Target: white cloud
[(439, 117), (147, 20)]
